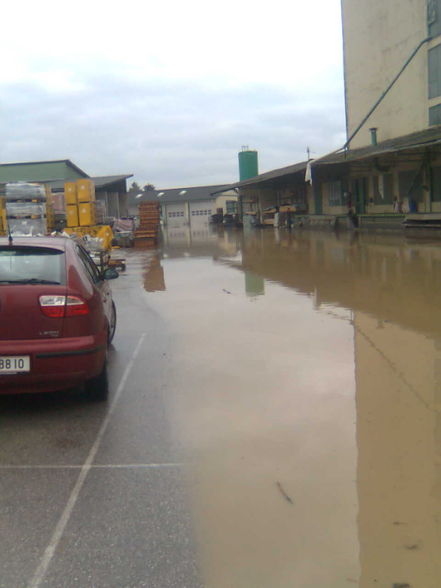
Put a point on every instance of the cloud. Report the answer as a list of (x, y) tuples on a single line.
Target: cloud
[(236, 42), (170, 91), (166, 132)]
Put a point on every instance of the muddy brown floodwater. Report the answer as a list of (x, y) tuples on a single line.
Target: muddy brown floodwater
[(306, 371)]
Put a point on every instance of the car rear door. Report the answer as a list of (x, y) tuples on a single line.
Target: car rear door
[(101, 285)]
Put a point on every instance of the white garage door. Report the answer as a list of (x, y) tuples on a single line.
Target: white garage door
[(175, 215), (200, 212)]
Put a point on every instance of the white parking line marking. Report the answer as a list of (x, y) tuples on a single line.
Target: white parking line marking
[(94, 466), (85, 468)]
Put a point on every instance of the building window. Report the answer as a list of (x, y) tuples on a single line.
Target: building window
[(435, 72), (200, 212), (436, 184), (433, 17), (335, 193), (231, 206), (435, 115)]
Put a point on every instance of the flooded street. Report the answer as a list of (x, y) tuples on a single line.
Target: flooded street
[(274, 422), (305, 374)]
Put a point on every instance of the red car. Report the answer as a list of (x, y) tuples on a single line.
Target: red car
[(57, 317)]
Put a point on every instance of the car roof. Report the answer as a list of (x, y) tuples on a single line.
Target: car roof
[(52, 242)]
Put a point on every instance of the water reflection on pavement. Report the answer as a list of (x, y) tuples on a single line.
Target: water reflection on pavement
[(307, 402)]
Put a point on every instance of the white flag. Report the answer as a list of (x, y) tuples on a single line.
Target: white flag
[(308, 172)]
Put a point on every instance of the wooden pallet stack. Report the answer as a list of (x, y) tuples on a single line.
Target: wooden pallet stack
[(146, 235)]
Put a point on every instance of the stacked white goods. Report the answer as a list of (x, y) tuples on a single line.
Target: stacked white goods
[(26, 209), (24, 190)]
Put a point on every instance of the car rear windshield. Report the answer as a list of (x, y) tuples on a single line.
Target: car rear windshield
[(31, 265)]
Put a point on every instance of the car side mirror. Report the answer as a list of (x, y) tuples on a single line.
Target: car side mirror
[(109, 273)]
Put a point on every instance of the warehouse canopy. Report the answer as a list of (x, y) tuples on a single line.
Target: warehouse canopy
[(100, 182), (270, 177), (414, 141)]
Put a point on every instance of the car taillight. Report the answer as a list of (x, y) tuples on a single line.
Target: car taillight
[(56, 306)]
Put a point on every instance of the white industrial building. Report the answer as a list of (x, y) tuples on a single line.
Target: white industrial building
[(187, 205)]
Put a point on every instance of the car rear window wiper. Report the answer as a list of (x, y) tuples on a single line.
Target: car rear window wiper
[(29, 281)]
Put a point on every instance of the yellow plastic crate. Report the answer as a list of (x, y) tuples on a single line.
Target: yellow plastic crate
[(85, 190), (70, 193), (86, 212), (72, 217), (3, 221)]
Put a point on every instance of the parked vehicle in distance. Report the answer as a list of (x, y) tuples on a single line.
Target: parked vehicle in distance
[(57, 317), (216, 219)]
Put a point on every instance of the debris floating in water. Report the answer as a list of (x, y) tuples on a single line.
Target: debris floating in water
[(283, 493)]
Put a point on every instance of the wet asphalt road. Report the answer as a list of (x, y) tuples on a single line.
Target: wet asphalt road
[(92, 495)]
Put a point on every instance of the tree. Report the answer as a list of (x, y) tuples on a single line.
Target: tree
[(149, 188), (135, 187)]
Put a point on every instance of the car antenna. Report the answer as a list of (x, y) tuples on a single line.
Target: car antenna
[(9, 232)]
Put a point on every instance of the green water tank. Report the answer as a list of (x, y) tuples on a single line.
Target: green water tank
[(248, 167)]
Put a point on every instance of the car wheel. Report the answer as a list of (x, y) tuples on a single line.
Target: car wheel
[(97, 388), (112, 324)]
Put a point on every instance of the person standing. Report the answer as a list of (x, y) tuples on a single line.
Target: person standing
[(276, 218)]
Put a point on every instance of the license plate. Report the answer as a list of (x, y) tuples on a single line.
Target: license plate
[(12, 364)]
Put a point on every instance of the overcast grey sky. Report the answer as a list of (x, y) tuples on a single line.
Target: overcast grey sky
[(170, 91)]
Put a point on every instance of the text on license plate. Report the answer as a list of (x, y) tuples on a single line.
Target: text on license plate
[(14, 363)]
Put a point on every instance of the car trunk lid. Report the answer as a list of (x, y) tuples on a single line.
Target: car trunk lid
[(21, 316), (28, 272)]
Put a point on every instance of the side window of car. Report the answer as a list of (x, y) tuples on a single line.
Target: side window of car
[(89, 265)]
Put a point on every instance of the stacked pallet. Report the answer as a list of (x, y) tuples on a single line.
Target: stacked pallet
[(50, 212), (26, 209), (148, 230)]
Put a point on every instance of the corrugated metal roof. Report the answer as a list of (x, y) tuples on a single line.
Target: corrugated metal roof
[(40, 171), (175, 195), (271, 175), (417, 140), (100, 182)]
